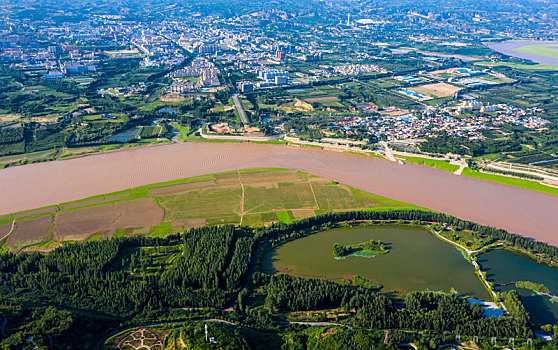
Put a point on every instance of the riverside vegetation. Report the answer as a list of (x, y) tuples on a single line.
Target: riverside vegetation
[(76, 293)]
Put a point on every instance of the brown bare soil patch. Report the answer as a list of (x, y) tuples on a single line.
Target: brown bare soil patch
[(267, 179), (227, 179), (42, 248), (10, 117), (438, 89), (30, 230), (321, 99), (303, 213), (172, 97), (81, 223), (94, 201), (142, 230), (188, 224), (170, 189), (5, 229)]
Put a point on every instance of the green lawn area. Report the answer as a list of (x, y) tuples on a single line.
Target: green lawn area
[(528, 184), (439, 164)]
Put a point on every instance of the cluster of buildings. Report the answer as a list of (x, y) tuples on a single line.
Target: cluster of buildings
[(204, 73), (201, 68), (52, 62), (472, 82), (474, 105), (130, 90), (157, 49), (270, 78), (411, 126), (357, 69)]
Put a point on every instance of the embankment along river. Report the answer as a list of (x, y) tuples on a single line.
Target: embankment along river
[(522, 211)]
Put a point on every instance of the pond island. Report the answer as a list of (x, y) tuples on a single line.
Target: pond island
[(365, 249)]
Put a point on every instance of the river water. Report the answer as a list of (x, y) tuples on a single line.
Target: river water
[(416, 261), (505, 267), (526, 212)]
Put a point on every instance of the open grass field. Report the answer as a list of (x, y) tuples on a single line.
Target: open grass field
[(250, 197), (439, 164), (549, 50)]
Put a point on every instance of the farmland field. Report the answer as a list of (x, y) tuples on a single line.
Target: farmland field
[(29, 232), (250, 197)]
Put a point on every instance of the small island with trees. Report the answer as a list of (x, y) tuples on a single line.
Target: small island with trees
[(366, 249)]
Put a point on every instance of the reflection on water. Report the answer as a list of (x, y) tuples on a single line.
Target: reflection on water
[(504, 267), (417, 260)]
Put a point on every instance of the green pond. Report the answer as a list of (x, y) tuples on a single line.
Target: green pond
[(417, 260), (504, 267)]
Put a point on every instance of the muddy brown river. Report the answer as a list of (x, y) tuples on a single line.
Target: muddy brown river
[(526, 212)]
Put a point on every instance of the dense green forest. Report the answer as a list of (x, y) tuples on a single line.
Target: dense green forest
[(462, 145), (422, 310), (85, 289)]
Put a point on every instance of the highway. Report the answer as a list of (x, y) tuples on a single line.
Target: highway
[(239, 109)]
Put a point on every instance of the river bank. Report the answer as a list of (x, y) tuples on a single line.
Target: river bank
[(517, 210)]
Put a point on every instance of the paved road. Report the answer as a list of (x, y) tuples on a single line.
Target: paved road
[(239, 109), (388, 151)]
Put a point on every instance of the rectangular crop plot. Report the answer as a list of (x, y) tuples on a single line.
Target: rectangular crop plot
[(285, 195), (80, 223), (5, 229), (29, 232), (269, 178), (205, 203), (331, 196)]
